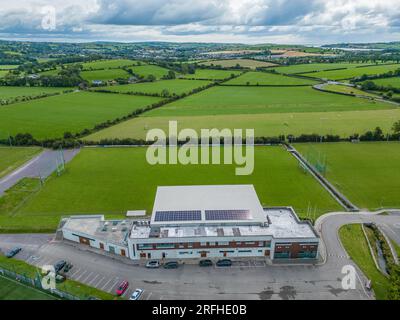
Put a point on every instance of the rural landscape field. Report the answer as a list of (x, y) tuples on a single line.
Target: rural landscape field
[(318, 127)]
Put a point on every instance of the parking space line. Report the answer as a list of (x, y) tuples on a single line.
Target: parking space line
[(114, 286), (75, 272), (79, 277), (103, 287), (87, 278), (150, 294), (97, 285), (92, 281)]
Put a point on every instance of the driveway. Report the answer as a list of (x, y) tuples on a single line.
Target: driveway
[(42, 165)]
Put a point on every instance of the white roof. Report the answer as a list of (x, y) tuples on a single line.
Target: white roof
[(202, 198)]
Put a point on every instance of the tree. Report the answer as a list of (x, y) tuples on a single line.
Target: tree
[(396, 127)]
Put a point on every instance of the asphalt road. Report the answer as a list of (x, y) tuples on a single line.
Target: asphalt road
[(245, 280), (42, 165)]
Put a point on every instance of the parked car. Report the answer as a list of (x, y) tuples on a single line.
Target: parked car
[(154, 264), (171, 265), (136, 294), (68, 267), (13, 252), (59, 265), (122, 288), (224, 263), (205, 263)]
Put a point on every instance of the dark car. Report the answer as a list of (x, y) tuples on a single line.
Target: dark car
[(68, 267), (13, 252), (224, 263), (59, 265), (205, 263), (171, 265)]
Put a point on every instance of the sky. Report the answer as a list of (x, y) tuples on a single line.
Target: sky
[(310, 22)]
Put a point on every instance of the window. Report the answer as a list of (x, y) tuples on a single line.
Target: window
[(223, 243), (145, 246), (165, 246), (203, 244), (212, 244), (227, 251), (244, 251)]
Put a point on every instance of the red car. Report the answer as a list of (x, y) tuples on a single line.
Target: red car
[(122, 288)]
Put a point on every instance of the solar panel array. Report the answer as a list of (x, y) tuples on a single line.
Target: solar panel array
[(228, 215), (168, 216)]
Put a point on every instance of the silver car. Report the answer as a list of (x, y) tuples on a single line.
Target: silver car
[(136, 294), (153, 264)]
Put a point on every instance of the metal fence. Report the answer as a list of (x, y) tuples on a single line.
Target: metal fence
[(36, 283)]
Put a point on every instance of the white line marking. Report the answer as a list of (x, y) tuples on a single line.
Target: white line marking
[(91, 281), (103, 287), (79, 277), (87, 278), (150, 294)]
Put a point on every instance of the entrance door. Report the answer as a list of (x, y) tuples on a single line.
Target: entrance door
[(225, 254), (123, 253), (204, 254), (101, 246), (149, 256), (84, 241)]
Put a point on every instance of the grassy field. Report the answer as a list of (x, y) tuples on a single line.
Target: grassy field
[(52, 72), (353, 72), (12, 158), (263, 78), (3, 73), (8, 67), (148, 70), (245, 63), (112, 181), (12, 290), (348, 90), (105, 75), (267, 125), (109, 64), (386, 82), (224, 100), (367, 173), (177, 86), (313, 67), (211, 74), (356, 245), (52, 117), (14, 92)]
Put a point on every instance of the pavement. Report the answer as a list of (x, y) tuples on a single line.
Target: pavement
[(42, 165), (249, 279)]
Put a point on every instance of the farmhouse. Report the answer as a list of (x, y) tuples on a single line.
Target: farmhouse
[(201, 222)]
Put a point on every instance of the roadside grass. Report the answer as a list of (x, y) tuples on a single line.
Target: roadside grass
[(111, 181), (13, 157), (356, 245), (177, 86), (264, 78), (367, 173), (226, 100), (105, 75), (343, 124), (348, 90), (12, 290), (53, 116), (70, 286), (212, 74), (354, 72)]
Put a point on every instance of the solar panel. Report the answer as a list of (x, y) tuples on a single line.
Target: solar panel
[(166, 216), (228, 215)]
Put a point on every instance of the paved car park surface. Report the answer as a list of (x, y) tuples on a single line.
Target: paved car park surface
[(251, 279)]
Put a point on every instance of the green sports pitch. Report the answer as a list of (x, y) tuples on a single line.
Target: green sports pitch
[(53, 116), (268, 79), (112, 181), (13, 290), (367, 173)]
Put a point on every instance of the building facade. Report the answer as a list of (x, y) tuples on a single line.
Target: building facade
[(199, 222)]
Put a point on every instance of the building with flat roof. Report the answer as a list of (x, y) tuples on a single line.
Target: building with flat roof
[(203, 222)]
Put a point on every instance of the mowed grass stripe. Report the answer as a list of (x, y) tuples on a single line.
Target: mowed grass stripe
[(225, 100), (52, 117), (112, 181), (367, 173)]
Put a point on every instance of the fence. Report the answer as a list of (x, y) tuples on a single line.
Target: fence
[(36, 283)]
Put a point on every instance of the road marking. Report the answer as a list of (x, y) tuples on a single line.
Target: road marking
[(91, 281), (75, 272), (150, 294), (99, 282), (103, 287), (79, 277), (87, 278)]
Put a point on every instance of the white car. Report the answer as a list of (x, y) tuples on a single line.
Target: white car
[(136, 294)]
